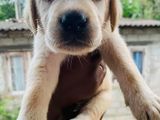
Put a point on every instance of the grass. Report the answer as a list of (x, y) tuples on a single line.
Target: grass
[(8, 110)]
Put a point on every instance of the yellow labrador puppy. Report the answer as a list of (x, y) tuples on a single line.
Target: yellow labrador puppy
[(78, 27)]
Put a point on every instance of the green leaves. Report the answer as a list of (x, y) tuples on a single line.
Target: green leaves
[(142, 9), (132, 8), (8, 111), (7, 9)]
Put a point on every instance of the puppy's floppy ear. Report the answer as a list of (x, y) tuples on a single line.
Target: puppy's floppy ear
[(115, 12), (31, 15)]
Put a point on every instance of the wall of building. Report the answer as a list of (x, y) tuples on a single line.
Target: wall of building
[(2, 82), (15, 40), (12, 43), (148, 41)]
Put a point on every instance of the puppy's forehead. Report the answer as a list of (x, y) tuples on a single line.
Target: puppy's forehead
[(99, 4), (73, 1)]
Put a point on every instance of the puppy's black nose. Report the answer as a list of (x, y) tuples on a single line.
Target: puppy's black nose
[(73, 22)]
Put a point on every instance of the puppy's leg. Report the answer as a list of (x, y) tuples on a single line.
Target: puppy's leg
[(41, 82), (98, 105), (143, 102)]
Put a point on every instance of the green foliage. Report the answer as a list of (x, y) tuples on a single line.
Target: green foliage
[(132, 8), (156, 9), (6, 111), (145, 9), (7, 9)]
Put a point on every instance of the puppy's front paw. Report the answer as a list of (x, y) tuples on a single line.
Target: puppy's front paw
[(146, 106)]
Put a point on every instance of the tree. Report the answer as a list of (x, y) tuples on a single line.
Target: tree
[(132, 8), (144, 9), (156, 9), (7, 9)]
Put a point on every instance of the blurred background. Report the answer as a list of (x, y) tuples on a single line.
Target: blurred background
[(140, 27)]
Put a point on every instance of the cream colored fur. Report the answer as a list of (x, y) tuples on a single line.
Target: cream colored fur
[(104, 15)]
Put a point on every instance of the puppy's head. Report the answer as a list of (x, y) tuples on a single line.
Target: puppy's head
[(72, 26)]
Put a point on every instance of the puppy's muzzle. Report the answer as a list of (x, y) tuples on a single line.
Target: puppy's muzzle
[(74, 28)]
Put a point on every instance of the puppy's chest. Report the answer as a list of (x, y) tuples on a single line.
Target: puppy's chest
[(79, 78)]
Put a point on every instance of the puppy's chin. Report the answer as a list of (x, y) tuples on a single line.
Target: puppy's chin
[(77, 51), (72, 50)]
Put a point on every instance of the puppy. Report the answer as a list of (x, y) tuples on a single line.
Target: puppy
[(64, 28)]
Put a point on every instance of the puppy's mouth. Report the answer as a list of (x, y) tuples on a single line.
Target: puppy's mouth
[(75, 43)]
